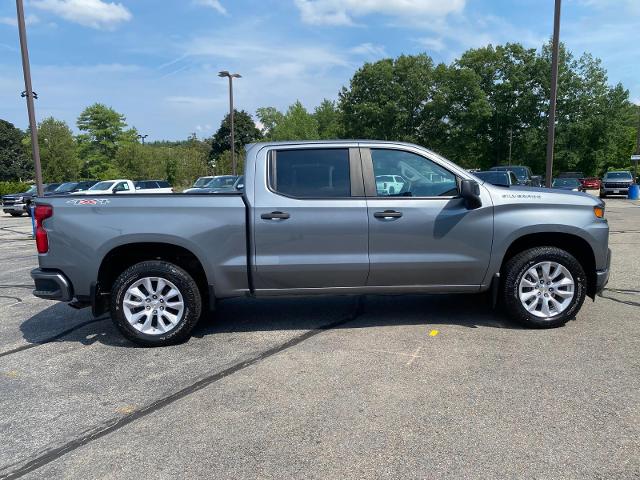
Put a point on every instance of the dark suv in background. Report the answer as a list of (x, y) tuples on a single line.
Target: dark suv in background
[(71, 187), (524, 174), (17, 204)]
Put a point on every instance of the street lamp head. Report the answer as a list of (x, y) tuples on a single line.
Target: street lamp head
[(225, 73)]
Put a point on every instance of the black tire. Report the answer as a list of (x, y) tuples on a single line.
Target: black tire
[(518, 265), (168, 271), (15, 214)]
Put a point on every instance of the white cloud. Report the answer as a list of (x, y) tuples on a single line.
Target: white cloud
[(368, 49), (90, 13), (341, 12), (13, 22), (215, 4), (431, 43)]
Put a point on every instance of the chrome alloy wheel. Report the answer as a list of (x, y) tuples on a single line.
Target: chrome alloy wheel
[(153, 305), (546, 289)]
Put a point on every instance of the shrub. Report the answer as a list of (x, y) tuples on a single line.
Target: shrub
[(13, 187)]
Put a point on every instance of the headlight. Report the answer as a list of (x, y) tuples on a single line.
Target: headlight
[(19, 199)]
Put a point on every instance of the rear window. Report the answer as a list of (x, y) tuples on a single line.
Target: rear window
[(311, 173), (146, 184)]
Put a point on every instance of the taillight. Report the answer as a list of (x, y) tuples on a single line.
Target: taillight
[(40, 214)]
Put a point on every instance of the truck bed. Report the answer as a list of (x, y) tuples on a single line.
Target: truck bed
[(85, 229)]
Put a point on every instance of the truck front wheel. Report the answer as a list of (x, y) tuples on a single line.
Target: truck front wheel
[(543, 287), (155, 303)]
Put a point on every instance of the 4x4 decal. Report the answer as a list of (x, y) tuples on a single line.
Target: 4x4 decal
[(88, 201)]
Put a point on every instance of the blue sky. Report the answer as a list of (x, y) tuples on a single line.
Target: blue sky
[(157, 61)]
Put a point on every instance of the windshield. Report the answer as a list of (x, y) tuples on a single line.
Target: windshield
[(566, 182), (66, 187), (102, 186), (624, 175), (32, 189), (201, 182), (221, 182)]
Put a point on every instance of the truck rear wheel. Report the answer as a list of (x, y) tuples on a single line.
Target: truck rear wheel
[(543, 287), (155, 303)]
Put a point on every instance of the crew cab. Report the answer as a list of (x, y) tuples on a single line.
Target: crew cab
[(313, 219), (153, 186), (109, 186)]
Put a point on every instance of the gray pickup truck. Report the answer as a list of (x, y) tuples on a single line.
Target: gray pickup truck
[(312, 219)]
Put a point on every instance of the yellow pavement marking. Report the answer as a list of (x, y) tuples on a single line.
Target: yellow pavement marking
[(433, 333), (12, 374), (126, 410)]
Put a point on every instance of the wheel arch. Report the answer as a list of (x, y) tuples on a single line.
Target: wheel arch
[(571, 243), (122, 256)]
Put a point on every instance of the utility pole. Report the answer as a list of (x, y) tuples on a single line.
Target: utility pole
[(554, 93), (231, 76), (29, 94), (510, 142)]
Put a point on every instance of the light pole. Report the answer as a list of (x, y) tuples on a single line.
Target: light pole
[(142, 137), (231, 76), (554, 93), (29, 94)]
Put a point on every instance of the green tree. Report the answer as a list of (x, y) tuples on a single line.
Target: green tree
[(103, 131), (386, 99), (269, 117), (245, 131), (223, 164), (58, 153), (15, 163), (296, 124), (328, 118)]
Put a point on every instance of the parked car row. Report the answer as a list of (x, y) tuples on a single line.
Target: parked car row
[(18, 204), (218, 184), (613, 183)]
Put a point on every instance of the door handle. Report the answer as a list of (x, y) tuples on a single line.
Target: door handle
[(275, 216), (388, 214)]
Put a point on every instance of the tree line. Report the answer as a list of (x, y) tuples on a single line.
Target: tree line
[(486, 108)]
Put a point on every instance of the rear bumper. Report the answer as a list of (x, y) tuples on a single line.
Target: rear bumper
[(52, 285), (602, 276)]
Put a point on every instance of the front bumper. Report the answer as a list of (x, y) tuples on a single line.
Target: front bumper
[(52, 285), (615, 191), (15, 208), (602, 276)]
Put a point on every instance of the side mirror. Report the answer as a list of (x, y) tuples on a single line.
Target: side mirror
[(470, 192)]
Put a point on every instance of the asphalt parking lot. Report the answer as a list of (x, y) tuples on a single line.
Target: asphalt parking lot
[(332, 387)]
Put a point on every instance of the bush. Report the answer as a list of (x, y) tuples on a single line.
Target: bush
[(13, 187)]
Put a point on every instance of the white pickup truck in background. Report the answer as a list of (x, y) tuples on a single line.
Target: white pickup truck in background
[(127, 186)]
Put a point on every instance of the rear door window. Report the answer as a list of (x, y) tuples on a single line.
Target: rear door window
[(311, 173)]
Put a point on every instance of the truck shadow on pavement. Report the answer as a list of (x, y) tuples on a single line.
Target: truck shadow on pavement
[(262, 315)]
